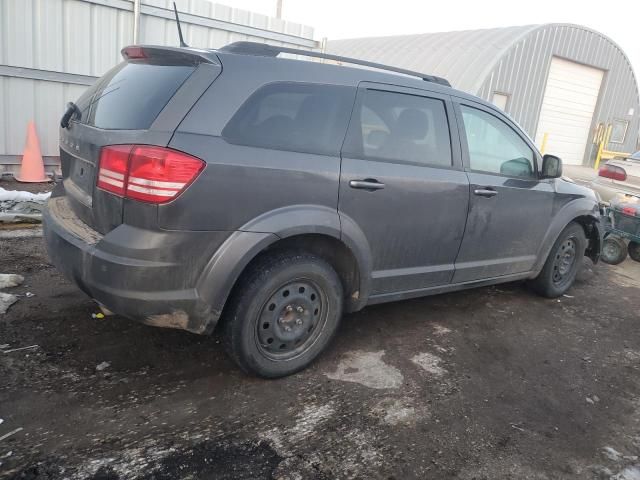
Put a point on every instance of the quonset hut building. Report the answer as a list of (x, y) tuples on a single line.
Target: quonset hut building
[(567, 81)]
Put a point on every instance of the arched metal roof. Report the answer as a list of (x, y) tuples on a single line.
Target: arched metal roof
[(464, 58)]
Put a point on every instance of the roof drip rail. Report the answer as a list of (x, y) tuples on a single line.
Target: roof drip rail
[(264, 50)]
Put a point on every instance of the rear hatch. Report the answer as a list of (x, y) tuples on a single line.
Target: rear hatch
[(141, 101)]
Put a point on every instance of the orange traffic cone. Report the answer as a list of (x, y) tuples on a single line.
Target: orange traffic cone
[(32, 168)]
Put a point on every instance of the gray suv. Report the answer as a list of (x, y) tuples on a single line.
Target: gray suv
[(267, 196)]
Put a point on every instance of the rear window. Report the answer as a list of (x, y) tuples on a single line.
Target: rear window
[(296, 117), (131, 95)]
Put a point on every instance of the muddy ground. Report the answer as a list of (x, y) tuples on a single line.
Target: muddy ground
[(493, 383)]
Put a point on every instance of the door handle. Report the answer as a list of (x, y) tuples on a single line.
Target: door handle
[(366, 184), (485, 192)]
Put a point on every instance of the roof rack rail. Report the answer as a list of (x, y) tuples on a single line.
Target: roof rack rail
[(264, 50)]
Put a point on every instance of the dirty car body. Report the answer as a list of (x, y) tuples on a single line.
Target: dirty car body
[(396, 183)]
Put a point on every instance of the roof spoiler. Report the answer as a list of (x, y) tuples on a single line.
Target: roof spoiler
[(264, 50), (177, 55)]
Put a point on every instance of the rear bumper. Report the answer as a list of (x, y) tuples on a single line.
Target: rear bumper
[(134, 272)]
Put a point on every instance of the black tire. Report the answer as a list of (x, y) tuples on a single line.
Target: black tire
[(282, 315), (634, 250), (563, 263), (614, 250)]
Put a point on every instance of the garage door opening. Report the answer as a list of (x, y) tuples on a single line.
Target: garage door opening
[(567, 110)]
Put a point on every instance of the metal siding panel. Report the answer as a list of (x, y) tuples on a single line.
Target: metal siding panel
[(537, 94), (84, 37), (20, 36), (4, 32), (20, 102), (519, 97), (48, 42), (104, 23), (49, 107), (124, 34), (77, 37), (152, 30), (4, 120), (527, 63)]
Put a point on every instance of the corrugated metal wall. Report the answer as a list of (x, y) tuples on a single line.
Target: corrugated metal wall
[(523, 69), (50, 50)]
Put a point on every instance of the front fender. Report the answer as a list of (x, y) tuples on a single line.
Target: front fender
[(580, 207), (227, 264)]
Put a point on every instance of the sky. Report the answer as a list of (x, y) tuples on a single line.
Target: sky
[(336, 19)]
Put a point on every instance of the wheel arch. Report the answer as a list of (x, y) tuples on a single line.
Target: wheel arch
[(331, 249), (313, 229), (582, 211)]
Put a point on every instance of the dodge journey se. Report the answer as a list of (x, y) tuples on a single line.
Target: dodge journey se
[(264, 197)]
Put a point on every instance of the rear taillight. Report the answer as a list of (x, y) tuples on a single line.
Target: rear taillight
[(629, 211), (146, 173), (112, 172), (613, 172)]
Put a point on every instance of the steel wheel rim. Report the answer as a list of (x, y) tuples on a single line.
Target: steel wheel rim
[(611, 249), (564, 261), (291, 320)]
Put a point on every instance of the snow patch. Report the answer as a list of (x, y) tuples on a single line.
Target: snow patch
[(395, 412), (6, 300), (429, 363), (629, 473), (306, 422), (440, 330), (22, 196), (131, 463), (367, 369), (8, 280)]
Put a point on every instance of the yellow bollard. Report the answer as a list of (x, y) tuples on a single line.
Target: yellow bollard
[(603, 142), (543, 147), (596, 165)]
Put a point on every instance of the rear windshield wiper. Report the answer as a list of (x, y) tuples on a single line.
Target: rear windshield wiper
[(72, 109)]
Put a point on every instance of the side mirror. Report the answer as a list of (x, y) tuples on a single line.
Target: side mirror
[(551, 167)]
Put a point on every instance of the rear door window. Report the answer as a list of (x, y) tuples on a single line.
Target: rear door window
[(131, 95), (399, 127), (296, 117)]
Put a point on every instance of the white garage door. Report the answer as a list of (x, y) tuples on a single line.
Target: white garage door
[(567, 109)]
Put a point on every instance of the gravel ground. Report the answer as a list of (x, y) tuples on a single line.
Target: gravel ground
[(8, 183), (493, 383)]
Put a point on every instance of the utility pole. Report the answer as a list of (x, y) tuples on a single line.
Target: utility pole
[(136, 21), (279, 9)]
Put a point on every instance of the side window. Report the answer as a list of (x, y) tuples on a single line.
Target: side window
[(296, 117), (494, 147), (401, 128)]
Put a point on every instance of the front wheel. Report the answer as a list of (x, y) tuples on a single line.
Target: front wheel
[(284, 312), (563, 262)]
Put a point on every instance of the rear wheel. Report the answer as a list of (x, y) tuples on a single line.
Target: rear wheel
[(283, 314), (614, 250), (563, 262), (634, 251)]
